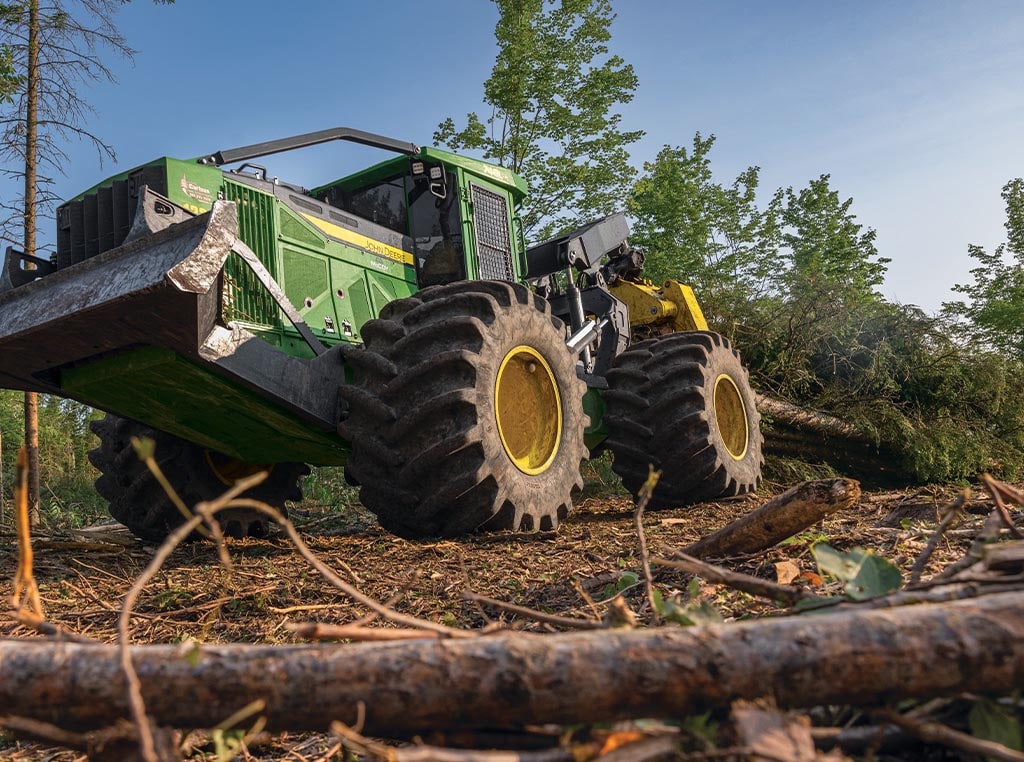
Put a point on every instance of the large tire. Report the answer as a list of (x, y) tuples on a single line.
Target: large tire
[(466, 413), (138, 501), (683, 404)]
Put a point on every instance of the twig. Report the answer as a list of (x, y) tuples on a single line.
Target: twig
[(578, 587), (787, 594), (391, 602), (331, 576), (952, 512), (352, 739), (44, 731), (1000, 490), (933, 732), (144, 449), (951, 591), (643, 498), (540, 616), (306, 607), (989, 531), (24, 581), (205, 513), (40, 625), (321, 631)]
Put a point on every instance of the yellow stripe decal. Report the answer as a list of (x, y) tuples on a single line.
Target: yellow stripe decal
[(362, 241)]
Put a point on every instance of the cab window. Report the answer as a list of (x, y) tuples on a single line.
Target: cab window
[(436, 230)]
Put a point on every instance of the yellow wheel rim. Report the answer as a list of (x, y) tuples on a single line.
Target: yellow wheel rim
[(528, 410), (229, 470), (731, 415)]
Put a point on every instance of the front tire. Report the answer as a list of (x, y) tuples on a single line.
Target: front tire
[(682, 403), (137, 500), (466, 413)]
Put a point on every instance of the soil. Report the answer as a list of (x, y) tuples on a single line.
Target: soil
[(82, 576)]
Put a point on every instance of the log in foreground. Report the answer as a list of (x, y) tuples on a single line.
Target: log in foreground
[(921, 651), (781, 517)]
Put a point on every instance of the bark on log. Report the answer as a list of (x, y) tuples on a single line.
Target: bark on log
[(511, 680), (801, 418), (779, 518)]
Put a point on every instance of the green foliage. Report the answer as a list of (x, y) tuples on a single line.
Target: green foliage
[(694, 612), (626, 580), (551, 96), (10, 78), (696, 230), (828, 250), (994, 311), (66, 477), (865, 574), (994, 722), (793, 283)]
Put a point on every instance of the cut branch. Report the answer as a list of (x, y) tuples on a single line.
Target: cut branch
[(779, 518)]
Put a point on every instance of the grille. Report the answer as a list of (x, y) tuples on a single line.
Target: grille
[(245, 299), (493, 246)]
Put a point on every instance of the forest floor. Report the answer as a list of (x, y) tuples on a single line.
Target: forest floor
[(573, 572)]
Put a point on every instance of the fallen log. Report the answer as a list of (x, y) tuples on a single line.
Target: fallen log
[(779, 518), (811, 420), (516, 679), (814, 437)]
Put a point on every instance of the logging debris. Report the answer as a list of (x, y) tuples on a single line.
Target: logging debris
[(591, 554)]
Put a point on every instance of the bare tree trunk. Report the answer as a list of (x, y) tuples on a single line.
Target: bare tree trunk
[(801, 418), (779, 518), (31, 163), (32, 450), (507, 680)]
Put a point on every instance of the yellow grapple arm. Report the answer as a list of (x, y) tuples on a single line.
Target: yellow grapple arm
[(673, 303)]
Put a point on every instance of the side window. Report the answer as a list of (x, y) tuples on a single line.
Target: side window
[(383, 203), (436, 231)]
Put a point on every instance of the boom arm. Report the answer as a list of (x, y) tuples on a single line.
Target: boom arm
[(254, 151)]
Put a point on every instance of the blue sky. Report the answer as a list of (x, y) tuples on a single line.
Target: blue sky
[(915, 108)]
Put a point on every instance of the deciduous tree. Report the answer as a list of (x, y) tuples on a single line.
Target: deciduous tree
[(993, 312), (712, 236), (552, 96)]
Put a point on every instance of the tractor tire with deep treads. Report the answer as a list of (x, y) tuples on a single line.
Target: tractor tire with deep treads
[(682, 403), (137, 500), (465, 413)]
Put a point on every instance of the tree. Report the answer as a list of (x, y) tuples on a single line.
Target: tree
[(55, 51), (827, 248), (994, 310), (47, 53), (552, 93), (712, 236)]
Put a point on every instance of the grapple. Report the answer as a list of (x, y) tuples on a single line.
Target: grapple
[(135, 330)]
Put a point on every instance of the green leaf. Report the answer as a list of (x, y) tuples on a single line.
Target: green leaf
[(693, 589), (876, 576), (625, 581), (992, 722), (701, 726), (866, 574), (693, 613)]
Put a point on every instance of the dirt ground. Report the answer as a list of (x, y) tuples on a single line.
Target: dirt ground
[(84, 575)]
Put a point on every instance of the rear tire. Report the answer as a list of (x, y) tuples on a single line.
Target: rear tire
[(682, 403), (466, 413), (138, 501)]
